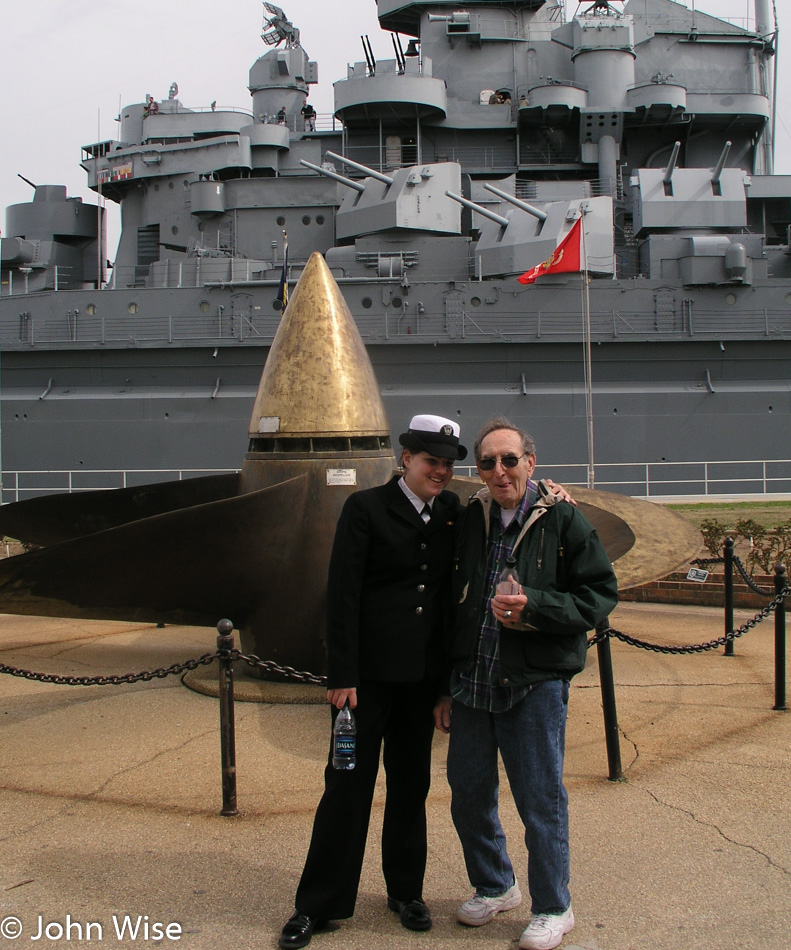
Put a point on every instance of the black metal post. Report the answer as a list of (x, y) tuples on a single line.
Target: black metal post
[(780, 640), (611, 736), (728, 555), (227, 729)]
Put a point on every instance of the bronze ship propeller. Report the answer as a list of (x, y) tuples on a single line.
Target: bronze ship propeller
[(254, 546)]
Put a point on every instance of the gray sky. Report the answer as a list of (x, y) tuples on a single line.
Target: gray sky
[(67, 65)]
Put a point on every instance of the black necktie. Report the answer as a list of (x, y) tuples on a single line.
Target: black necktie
[(425, 514)]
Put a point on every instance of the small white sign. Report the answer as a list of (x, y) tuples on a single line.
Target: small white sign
[(341, 476), (696, 574), (269, 423)]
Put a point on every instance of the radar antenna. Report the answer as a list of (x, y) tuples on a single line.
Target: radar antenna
[(278, 28)]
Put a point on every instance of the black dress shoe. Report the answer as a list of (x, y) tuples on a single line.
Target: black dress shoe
[(298, 930), (414, 914)]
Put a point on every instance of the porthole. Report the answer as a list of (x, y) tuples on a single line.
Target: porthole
[(281, 221), (170, 185), (788, 298), (319, 219), (306, 219), (204, 306), (156, 187), (367, 303), (200, 225), (91, 309), (475, 301), (277, 304), (174, 229), (397, 302), (730, 299), (133, 307)]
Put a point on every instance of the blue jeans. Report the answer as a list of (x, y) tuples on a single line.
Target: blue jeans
[(531, 739)]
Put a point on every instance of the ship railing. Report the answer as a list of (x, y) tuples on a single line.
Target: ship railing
[(487, 158), (657, 21), (664, 480), (16, 283), (221, 109), (524, 89), (31, 483), (295, 121), (144, 322), (528, 189), (651, 480)]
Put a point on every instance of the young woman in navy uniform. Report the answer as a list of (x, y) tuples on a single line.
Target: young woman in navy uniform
[(388, 613)]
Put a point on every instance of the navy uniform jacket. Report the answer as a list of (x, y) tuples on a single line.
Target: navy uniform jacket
[(388, 592)]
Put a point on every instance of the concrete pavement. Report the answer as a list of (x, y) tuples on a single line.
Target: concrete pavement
[(110, 799)]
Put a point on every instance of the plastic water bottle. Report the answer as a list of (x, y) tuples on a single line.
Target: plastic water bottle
[(508, 581), (344, 740)]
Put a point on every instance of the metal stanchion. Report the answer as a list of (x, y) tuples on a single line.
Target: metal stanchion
[(611, 737), (728, 555), (227, 730), (780, 640)]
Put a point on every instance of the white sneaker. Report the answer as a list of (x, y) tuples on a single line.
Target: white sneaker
[(546, 931), (479, 909)]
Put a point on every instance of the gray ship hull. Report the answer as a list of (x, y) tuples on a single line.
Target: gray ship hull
[(429, 195)]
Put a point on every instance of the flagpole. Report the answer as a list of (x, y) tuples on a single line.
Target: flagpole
[(586, 319)]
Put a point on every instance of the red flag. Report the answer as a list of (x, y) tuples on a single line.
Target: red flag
[(566, 257)]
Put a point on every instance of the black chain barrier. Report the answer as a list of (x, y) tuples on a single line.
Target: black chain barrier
[(174, 670), (304, 676), (749, 581), (300, 676), (113, 680), (696, 647)]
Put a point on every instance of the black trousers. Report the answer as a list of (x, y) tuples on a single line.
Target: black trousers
[(400, 716)]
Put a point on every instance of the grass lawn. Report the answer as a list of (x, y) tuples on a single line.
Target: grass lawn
[(767, 513)]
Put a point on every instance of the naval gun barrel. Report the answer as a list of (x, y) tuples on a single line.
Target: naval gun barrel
[(517, 203), (671, 165), (328, 174), (372, 173), (715, 175), (497, 218)]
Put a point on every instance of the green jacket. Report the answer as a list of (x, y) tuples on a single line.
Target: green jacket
[(566, 575)]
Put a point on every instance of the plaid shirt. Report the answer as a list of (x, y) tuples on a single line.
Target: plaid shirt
[(481, 688)]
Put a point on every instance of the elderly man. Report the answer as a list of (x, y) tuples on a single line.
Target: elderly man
[(512, 657)]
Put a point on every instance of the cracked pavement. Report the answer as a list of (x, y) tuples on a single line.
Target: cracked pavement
[(110, 800)]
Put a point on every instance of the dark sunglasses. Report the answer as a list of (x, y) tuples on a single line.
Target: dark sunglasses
[(507, 461)]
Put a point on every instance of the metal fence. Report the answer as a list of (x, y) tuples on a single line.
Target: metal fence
[(637, 479), (17, 486), (663, 479)]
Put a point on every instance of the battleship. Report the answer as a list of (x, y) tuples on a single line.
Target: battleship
[(443, 174)]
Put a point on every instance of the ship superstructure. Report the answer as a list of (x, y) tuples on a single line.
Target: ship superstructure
[(443, 174)]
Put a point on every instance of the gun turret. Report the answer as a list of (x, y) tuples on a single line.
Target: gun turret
[(350, 183), (715, 175), (516, 202), (491, 215), (371, 172), (671, 165)]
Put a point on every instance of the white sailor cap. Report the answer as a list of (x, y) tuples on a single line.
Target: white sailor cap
[(434, 434)]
